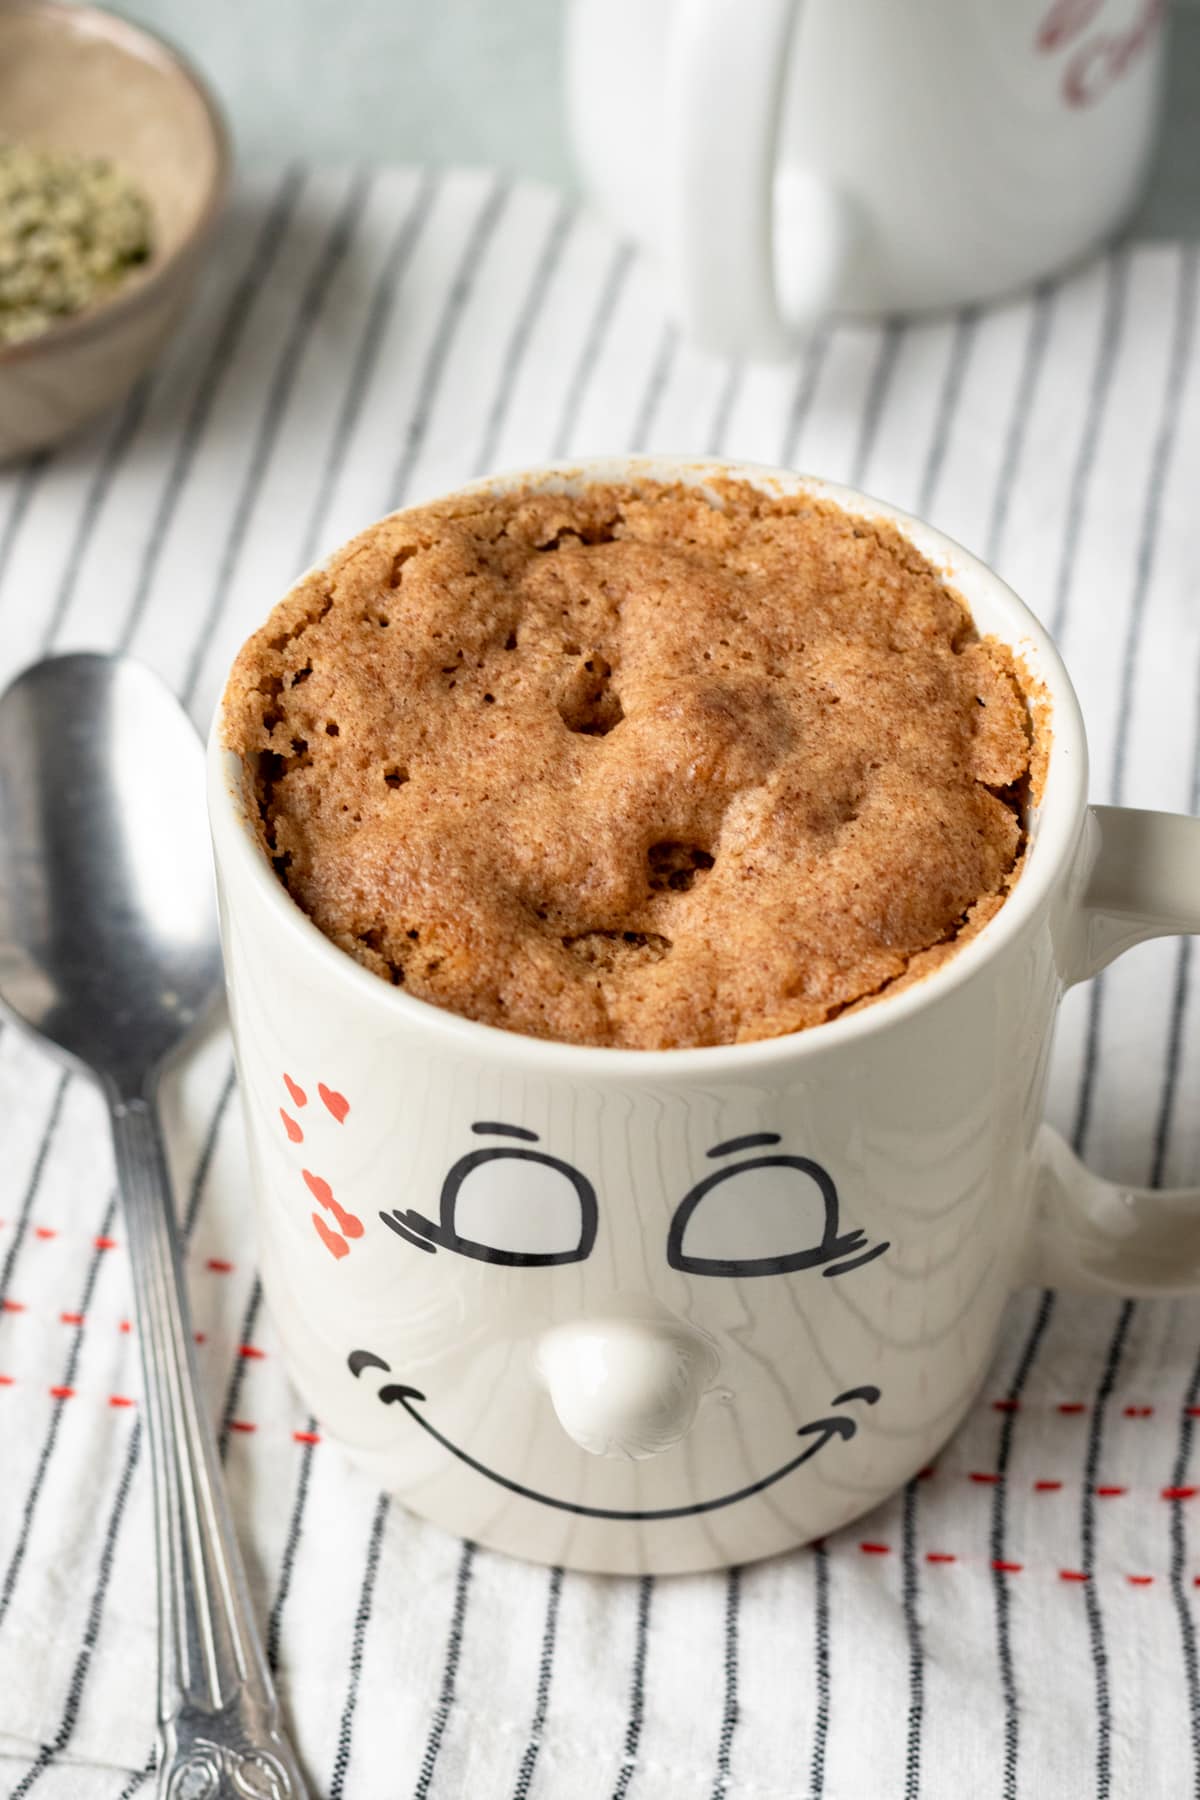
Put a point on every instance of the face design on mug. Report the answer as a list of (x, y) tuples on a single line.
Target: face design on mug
[(760, 1212)]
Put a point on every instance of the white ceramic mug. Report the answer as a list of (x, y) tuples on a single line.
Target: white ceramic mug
[(663, 1310), (785, 158)]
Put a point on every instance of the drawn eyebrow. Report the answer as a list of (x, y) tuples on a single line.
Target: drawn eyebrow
[(492, 1129), (752, 1142)]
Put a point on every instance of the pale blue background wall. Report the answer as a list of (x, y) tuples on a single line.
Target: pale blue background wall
[(477, 81)]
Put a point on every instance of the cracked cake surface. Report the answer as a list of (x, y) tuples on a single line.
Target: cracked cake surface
[(642, 765)]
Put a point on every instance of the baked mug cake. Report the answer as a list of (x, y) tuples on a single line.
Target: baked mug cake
[(647, 766), (647, 889)]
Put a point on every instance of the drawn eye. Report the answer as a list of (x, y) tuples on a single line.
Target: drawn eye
[(771, 1215), (518, 1207)]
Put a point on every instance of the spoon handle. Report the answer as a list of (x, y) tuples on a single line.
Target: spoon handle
[(219, 1733)]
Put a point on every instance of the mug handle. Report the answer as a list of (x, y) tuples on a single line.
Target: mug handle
[(1090, 1235), (727, 65)]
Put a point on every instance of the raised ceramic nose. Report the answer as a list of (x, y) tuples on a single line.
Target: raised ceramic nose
[(625, 1386)]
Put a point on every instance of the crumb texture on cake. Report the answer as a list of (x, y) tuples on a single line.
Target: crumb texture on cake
[(646, 766)]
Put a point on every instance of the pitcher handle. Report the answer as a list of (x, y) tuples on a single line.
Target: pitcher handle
[(727, 67), (1091, 1235)]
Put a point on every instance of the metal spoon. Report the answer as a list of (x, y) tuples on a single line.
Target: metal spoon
[(109, 950)]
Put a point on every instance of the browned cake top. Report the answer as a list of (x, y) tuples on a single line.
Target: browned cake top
[(634, 766)]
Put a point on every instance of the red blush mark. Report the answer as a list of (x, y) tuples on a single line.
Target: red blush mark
[(7, 1381), (322, 1193), (336, 1246), (334, 1102), (291, 1127), (299, 1097)]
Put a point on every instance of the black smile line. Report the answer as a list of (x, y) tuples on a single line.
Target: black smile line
[(406, 1395)]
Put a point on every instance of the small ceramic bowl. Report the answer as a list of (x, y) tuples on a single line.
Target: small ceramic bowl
[(75, 78)]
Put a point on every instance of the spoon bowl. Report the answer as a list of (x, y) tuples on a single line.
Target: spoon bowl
[(108, 925)]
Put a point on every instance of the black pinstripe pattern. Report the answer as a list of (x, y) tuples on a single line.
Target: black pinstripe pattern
[(129, 420), (909, 1601), (279, 392), (542, 1700), (961, 344), (1180, 1587), (1112, 326), (998, 1542), (652, 393), (816, 1769), (876, 398), (461, 288), (66, 1379), (816, 350), (233, 1392), (366, 356), (362, 1618), (1018, 424), (593, 343), (21, 1223), (731, 387), (637, 1689), (91, 1634), (288, 1562), (446, 1696), (138, 1779), (208, 1150), (1087, 1547), (254, 277), (729, 1708), (544, 270), (27, 486)]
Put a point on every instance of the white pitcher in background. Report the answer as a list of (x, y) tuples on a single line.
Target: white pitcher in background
[(782, 159)]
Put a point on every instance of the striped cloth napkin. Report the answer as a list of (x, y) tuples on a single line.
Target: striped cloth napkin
[(1023, 1619)]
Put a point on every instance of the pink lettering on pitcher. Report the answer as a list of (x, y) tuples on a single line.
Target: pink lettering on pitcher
[(1099, 62)]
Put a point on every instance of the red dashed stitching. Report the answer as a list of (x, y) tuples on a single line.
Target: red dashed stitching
[(219, 1266), (1047, 1487), (1072, 1575), (251, 1351), (876, 1549), (105, 1243), (63, 1393), (1071, 1406), (1110, 1493), (44, 1231), (71, 1318), (242, 1425), (982, 1476), (121, 1400), (1006, 1406), (1139, 1412), (1140, 1580), (1180, 1493), (939, 1556), (1007, 1568), (11, 1306), (307, 1437)]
